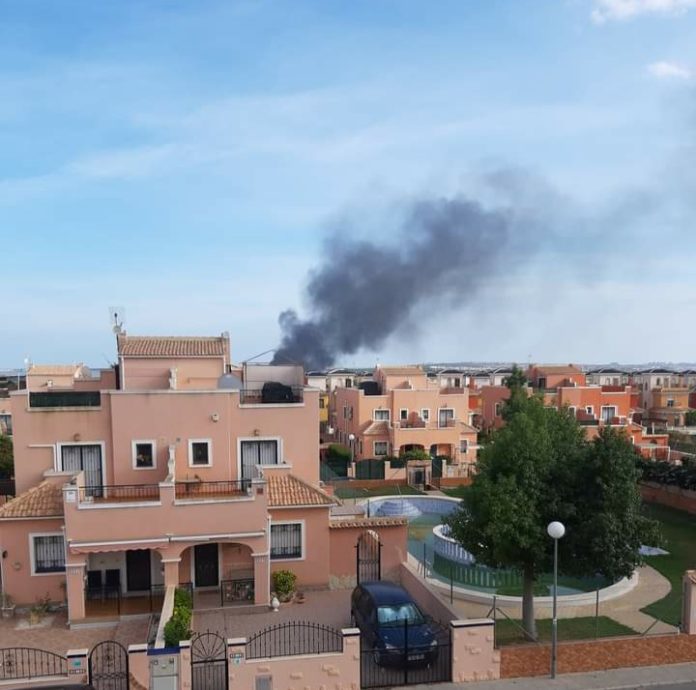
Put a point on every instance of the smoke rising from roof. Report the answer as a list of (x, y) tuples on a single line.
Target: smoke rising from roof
[(439, 255)]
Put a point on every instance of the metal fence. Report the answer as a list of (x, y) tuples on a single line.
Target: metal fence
[(294, 638), (28, 662), (220, 489)]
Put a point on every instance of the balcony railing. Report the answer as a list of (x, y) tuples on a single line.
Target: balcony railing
[(120, 493), (285, 396), (65, 399), (185, 489)]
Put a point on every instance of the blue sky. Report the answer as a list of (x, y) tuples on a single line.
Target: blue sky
[(186, 159)]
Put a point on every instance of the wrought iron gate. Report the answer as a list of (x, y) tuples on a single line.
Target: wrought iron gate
[(208, 662), (368, 552), (108, 666)]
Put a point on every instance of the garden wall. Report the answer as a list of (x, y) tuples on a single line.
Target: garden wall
[(669, 495), (598, 655)]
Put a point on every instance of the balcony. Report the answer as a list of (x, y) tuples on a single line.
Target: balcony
[(197, 490), (119, 493), (63, 399)]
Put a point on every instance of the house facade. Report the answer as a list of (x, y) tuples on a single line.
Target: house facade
[(402, 409), (173, 467)]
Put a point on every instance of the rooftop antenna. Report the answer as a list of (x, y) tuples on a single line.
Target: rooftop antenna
[(117, 317)]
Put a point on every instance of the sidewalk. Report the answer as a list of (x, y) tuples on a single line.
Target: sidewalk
[(682, 676)]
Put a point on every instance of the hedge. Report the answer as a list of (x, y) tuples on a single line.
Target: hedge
[(178, 626), (662, 472)]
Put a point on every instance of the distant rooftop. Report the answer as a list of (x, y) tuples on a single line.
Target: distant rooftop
[(171, 346)]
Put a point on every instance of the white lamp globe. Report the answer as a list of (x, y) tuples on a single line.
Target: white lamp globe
[(351, 437), (555, 530)]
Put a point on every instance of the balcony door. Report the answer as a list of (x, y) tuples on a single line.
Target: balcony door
[(138, 570), (257, 453), (87, 459)]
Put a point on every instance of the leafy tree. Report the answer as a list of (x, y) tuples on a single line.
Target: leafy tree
[(338, 452), (539, 468), (6, 457), (690, 418), (415, 454)]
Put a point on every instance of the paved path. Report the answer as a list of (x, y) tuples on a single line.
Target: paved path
[(673, 677), (651, 587)]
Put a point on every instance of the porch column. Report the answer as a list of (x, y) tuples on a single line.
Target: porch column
[(171, 571), (75, 574), (689, 603), (262, 577)]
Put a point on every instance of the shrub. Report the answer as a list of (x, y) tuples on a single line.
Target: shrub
[(690, 418), (284, 584), (178, 627), (416, 454), (338, 452)]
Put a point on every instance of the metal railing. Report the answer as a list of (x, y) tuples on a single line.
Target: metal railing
[(292, 639), (119, 493), (28, 662), (235, 591), (65, 399), (255, 396), (197, 489)]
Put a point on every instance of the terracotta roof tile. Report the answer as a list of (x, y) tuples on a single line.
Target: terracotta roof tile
[(171, 346), (43, 500), (402, 371), (367, 522), (287, 490), (54, 369), (377, 429)]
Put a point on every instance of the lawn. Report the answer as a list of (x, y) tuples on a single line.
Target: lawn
[(347, 491), (509, 632), (456, 492), (679, 532)]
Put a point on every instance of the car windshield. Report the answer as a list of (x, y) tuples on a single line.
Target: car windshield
[(397, 614)]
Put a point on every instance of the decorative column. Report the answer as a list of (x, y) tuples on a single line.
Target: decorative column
[(75, 574), (689, 602)]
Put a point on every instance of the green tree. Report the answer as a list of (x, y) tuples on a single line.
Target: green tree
[(539, 468), (6, 457)]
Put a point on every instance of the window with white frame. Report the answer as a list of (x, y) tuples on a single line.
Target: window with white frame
[(608, 413), (286, 541), (258, 452), (200, 453), (425, 414), (381, 448), (445, 417), (589, 409), (47, 553), (381, 415), (463, 445), (403, 414), (144, 455), (670, 402)]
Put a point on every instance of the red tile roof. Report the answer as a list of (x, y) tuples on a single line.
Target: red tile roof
[(43, 500), (171, 346), (286, 490)]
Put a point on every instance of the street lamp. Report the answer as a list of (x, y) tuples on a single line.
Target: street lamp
[(351, 440), (555, 530)]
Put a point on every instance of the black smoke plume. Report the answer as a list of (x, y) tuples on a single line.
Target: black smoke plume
[(440, 254)]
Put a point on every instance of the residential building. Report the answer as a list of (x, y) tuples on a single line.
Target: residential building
[(664, 396), (174, 466), (402, 409), (608, 376), (318, 380)]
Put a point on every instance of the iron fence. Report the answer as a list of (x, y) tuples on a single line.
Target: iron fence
[(28, 662), (117, 493), (294, 638)]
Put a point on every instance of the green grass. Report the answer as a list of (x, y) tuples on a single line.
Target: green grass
[(679, 532), (349, 492), (455, 492), (510, 632)]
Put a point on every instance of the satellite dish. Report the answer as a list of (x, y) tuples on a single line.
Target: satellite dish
[(117, 317)]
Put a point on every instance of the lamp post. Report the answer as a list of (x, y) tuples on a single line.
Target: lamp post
[(351, 440), (555, 530)]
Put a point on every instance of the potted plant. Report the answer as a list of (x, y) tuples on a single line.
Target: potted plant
[(7, 606), (284, 582)]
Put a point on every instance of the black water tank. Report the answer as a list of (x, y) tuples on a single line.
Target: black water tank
[(274, 392)]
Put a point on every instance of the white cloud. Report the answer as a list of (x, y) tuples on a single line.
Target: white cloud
[(670, 70), (619, 10)]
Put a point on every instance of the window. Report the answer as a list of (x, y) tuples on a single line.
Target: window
[(322, 403), (349, 383), (286, 541), (446, 417), (47, 553), (144, 455), (463, 445), (425, 414), (670, 402), (608, 413), (258, 453), (381, 415), (6, 424), (403, 414), (498, 407), (199, 453), (571, 409), (381, 448)]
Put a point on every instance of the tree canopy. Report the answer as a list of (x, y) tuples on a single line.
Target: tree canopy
[(538, 468)]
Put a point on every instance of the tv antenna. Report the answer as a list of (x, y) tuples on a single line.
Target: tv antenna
[(117, 317)]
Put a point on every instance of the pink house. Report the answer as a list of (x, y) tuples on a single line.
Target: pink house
[(402, 409), (173, 467)]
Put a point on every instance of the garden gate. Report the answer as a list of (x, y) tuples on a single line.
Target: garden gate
[(208, 662), (368, 553), (108, 666)]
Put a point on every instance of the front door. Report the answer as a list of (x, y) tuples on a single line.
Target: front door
[(206, 565), (138, 570)]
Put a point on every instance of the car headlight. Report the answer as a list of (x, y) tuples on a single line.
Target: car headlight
[(433, 643)]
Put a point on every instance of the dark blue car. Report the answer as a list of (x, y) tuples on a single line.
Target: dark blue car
[(393, 625)]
